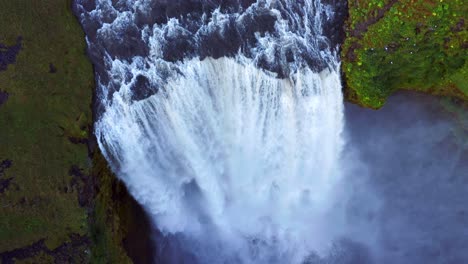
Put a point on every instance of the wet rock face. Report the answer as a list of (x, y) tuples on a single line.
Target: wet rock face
[(142, 88), (162, 10), (334, 29), (122, 38), (8, 55), (172, 31)]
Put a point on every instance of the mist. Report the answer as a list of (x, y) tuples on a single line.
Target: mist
[(414, 168), (402, 194)]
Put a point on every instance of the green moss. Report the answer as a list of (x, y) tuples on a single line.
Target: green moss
[(45, 113), (42, 111), (410, 44), (109, 222)]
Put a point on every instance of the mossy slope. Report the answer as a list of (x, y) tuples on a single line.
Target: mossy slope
[(43, 111), (56, 205), (419, 45)]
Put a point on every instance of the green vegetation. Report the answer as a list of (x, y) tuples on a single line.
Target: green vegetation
[(416, 45), (43, 110), (109, 216), (56, 205)]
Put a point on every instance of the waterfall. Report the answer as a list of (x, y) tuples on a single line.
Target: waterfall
[(224, 120)]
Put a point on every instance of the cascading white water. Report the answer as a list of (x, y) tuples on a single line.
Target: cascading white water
[(242, 164), (232, 150)]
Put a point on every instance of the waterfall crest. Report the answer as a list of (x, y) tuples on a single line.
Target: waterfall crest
[(229, 136)]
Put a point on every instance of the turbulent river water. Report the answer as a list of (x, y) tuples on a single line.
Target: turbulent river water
[(225, 120)]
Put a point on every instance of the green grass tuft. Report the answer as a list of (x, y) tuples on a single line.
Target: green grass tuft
[(415, 45)]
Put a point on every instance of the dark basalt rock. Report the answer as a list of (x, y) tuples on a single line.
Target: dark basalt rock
[(89, 5), (333, 28), (196, 38), (177, 46), (8, 54), (162, 10), (224, 41), (142, 88)]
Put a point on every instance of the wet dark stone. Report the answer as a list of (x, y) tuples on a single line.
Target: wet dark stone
[(160, 11), (8, 53), (228, 6), (261, 21), (89, 5), (264, 63), (121, 6), (192, 39), (142, 88), (3, 97), (125, 44), (334, 28), (224, 41), (149, 17), (177, 47)]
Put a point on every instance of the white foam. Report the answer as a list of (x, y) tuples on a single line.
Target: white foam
[(242, 164), (263, 151)]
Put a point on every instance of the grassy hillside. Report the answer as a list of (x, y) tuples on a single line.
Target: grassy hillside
[(48, 108), (56, 205)]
